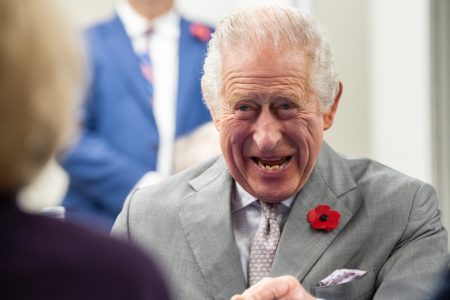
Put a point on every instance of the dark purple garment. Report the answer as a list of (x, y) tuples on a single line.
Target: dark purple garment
[(44, 258), (444, 291)]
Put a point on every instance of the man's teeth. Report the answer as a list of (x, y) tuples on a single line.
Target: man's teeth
[(272, 167)]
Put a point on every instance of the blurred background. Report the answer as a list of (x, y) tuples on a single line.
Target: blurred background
[(393, 60)]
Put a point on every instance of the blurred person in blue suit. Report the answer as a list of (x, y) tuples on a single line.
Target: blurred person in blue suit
[(132, 118), (42, 257)]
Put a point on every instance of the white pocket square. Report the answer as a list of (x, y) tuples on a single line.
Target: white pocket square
[(341, 276)]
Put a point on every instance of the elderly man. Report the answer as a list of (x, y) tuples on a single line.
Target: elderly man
[(280, 201)]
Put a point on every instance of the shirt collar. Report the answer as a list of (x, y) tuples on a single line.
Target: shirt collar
[(243, 199), (136, 25)]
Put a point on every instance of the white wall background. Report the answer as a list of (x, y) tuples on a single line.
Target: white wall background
[(85, 12), (400, 59), (347, 24), (382, 54)]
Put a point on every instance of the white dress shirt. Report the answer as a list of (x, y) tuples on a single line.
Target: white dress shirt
[(163, 51), (246, 216)]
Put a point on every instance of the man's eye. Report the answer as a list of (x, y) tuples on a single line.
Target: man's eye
[(246, 110), (244, 107), (286, 110), (285, 106)]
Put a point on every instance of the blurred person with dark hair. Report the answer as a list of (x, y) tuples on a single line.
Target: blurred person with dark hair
[(41, 257), (145, 68)]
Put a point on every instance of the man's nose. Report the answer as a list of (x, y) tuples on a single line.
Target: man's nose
[(266, 132)]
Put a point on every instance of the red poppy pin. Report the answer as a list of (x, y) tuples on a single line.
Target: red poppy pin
[(200, 31), (322, 217)]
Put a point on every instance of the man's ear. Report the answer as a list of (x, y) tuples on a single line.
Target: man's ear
[(328, 116)]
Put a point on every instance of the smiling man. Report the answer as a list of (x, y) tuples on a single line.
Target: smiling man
[(280, 201), (270, 121)]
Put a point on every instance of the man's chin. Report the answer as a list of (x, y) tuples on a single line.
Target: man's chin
[(271, 197)]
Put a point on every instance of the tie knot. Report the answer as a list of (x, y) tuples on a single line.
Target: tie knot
[(147, 28), (143, 42), (269, 209), (148, 32)]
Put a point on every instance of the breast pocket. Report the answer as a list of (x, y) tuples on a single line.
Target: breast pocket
[(358, 289)]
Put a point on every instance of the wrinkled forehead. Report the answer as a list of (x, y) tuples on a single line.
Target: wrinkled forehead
[(265, 46), (248, 69), (266, 58)]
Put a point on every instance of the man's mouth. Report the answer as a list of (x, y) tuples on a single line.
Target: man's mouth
[(273, 164)]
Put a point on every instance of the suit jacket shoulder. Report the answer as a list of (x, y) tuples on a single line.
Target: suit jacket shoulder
[(178, 186), (186, 221), (161, 201)]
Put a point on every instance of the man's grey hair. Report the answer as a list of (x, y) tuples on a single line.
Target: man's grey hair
[(270, 28)]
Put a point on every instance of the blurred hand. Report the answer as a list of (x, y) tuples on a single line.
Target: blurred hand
[(278, 288)]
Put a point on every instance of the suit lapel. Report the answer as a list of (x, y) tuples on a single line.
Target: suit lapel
[(186, 67), (191, 53), (125, 62), (206, 218), (301, 246)]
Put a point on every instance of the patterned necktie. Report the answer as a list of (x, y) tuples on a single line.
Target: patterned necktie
[(264, 244), (146, 65)]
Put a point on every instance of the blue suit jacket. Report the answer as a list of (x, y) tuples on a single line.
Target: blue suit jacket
[(119, 139)]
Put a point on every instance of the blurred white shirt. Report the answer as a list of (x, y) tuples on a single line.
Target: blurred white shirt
[(163, 51)]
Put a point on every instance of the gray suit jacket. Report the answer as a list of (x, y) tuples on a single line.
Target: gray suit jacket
[(390, 227)]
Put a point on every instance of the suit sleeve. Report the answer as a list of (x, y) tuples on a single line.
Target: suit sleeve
[(121, 225), (420, 258), (97, 169)]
